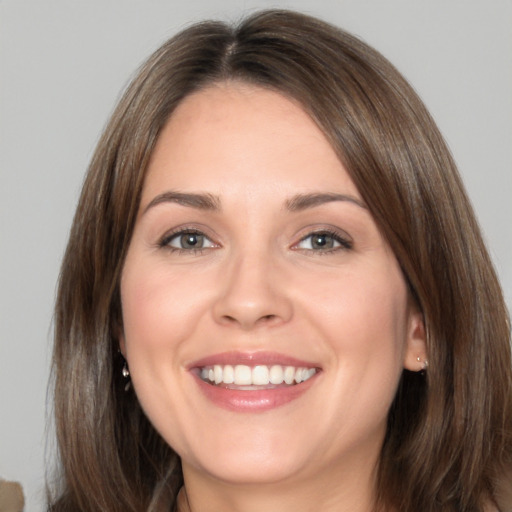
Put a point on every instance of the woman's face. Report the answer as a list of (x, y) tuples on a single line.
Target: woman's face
[(266, 320)]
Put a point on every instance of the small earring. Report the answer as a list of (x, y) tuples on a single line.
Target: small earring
[(126, 375), (424, 364)]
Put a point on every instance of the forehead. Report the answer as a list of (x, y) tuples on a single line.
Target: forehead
[(243, 137)]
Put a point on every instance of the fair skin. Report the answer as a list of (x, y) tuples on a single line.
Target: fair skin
[(253, 247)]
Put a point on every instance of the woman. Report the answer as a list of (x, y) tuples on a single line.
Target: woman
[(275, 293)]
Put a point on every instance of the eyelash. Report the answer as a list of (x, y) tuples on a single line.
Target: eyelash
[(169, 237), (344, 243)]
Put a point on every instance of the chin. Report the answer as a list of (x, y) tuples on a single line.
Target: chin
[(247, 469), (249, 459)]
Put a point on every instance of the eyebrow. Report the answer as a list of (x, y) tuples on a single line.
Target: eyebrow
[(210, 202), (200, 201), (304, 201)]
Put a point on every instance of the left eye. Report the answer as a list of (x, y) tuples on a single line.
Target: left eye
[(188, 240), (323, 241)]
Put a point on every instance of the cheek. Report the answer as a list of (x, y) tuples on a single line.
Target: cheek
[(157, 319), (157, 306), (158, 310), (363, 317), (361, 303)]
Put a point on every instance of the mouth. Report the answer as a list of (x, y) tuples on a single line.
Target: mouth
[(253, 382), (247, 378)]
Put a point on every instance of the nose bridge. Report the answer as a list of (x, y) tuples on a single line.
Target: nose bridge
[(253, 291)]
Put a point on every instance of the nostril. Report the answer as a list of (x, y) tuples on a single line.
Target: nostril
[(261, 320), (266, 319)]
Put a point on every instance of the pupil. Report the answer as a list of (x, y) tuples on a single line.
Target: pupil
[(190, 240), (321, 241)]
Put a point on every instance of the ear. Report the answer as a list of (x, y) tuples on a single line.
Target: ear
[(415, 355)]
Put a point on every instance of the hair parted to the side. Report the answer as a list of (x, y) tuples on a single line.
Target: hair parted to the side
[(449, 440)]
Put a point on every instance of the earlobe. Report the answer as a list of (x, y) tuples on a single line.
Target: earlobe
[(415, 356)]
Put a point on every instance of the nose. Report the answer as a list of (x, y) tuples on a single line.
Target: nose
[(253, 294)]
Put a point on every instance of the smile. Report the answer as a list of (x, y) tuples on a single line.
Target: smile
[(244, 377), (252, 382)]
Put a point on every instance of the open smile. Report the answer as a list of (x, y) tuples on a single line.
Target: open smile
[(253, 382), (245, 377)]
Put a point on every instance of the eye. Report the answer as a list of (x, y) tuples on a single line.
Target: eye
[(323, 241), (187, 240)]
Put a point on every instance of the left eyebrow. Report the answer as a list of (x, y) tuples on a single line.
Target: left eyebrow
[(304, 201)]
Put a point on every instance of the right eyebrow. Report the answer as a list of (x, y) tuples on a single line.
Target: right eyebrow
[(199, 201)]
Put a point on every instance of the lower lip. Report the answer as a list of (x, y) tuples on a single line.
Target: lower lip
[(258, 400)]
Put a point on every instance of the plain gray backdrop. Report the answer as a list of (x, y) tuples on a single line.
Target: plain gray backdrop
[(63, 64)]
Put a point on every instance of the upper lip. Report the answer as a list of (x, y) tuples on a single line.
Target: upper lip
[(251, 359)]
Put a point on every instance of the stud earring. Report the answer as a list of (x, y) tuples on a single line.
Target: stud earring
[(424, 365), (126, 375)]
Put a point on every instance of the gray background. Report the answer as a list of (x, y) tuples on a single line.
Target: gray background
[(63, 64)]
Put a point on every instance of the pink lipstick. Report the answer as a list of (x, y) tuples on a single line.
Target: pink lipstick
[(253, 382)]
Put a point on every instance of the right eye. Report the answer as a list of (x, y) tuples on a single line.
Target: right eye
[(187, 240)]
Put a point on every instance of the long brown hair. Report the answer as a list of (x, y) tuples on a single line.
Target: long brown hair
[(449, 437)]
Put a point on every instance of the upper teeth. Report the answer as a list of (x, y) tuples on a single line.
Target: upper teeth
[(261, 375)]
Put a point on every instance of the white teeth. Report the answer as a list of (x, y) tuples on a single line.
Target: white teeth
[(301, 375), (276, 374), (289, 374), (243, 375), (217, 372), (228, 374), (260, 375)]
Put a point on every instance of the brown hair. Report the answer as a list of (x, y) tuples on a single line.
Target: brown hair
[(449, 437)]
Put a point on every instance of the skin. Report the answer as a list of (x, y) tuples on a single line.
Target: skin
[(259, 284)]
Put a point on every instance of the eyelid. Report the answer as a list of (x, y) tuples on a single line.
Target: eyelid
[(164, 241), (340, 236)]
